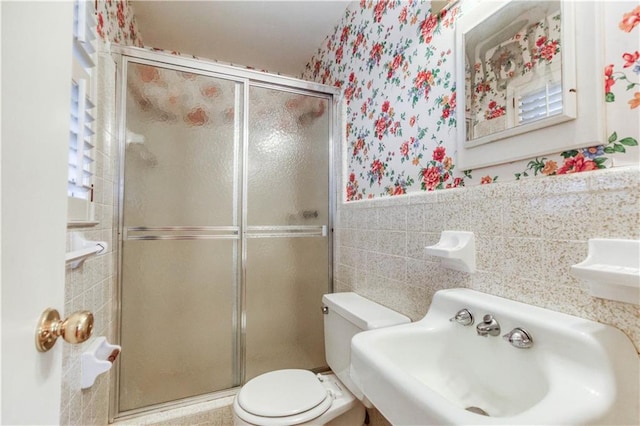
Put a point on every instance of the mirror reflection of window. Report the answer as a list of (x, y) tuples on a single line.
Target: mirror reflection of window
[(541, 101), (513, 74)]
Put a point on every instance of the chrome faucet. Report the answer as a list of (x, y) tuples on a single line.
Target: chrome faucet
[(488, 326), (463, 316), (519, 338)]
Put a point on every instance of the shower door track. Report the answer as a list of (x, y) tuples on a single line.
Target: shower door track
[(247, 78)]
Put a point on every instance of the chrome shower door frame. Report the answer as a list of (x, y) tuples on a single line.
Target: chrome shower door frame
[(240, 231)]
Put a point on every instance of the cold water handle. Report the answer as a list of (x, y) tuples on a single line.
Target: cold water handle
[(463, 317)]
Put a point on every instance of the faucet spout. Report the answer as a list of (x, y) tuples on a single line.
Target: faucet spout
[(488, 327)]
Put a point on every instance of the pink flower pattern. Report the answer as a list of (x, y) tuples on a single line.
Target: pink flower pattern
[(389, 123), (393, 61), (117, 23), (396, 71)]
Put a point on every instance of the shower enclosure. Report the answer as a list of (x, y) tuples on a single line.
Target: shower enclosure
[(224, 226)]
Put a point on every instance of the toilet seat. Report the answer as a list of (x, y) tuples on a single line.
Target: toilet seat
[(283, 397)]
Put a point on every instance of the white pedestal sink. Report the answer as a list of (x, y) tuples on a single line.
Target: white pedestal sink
[(437, 371)]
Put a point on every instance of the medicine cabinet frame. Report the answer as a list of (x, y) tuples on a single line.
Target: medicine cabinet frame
[(582, 122)]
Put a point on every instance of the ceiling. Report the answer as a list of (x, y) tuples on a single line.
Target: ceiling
[(278, 36)]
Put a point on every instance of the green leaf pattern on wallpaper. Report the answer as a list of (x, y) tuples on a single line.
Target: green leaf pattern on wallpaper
[(394, 62), (596, 157)]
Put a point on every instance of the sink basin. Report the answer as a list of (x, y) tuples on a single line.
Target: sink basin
[(437, 371)]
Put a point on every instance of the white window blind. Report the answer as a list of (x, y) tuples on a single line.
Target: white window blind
[(80, 142), (540, 103), (81, 153)]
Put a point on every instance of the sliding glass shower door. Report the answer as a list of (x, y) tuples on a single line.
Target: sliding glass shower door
[(180, 235), (224, 231), (287, 213)]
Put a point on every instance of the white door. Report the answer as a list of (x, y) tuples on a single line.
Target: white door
[(36, 70)]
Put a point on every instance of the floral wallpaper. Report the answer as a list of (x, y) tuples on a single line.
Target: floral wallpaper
[(116, 23), (394, 62)]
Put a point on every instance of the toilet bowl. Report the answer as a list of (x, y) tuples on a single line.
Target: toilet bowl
[(300, 397), (303, 398)]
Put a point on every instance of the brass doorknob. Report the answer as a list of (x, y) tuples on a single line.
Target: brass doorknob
[(76, 328)]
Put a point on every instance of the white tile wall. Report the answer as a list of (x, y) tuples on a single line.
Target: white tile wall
[(528, 235), (91, 285)]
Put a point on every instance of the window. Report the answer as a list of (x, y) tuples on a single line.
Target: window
[(542, 102), (81, 154), (531, 99)]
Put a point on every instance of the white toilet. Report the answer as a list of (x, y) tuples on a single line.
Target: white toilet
[(300, 397)]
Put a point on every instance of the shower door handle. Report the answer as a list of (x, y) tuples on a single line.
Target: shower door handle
[(181, 233)]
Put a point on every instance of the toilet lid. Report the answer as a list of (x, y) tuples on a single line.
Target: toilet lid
[(282, 393)]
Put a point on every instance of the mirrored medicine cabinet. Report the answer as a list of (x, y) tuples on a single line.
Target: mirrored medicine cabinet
[(530, 77)]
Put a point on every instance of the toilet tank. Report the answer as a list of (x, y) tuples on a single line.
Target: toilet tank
[(347, 314)]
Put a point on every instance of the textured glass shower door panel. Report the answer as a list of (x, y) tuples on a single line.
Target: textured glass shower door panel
[(288, 159), (285, 281), (287, 247), (177, 338), (180, 236), (182, 137)]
